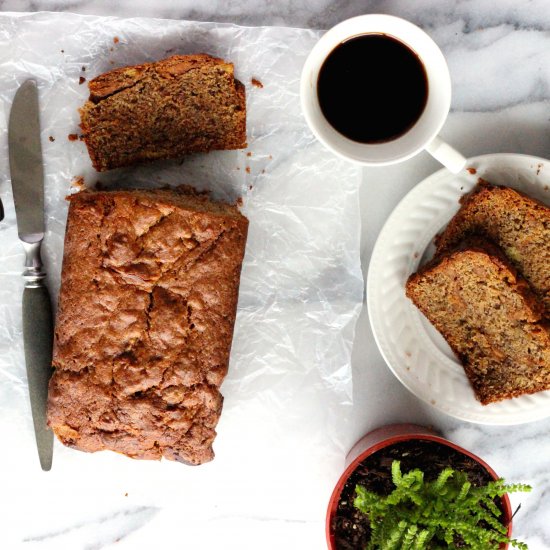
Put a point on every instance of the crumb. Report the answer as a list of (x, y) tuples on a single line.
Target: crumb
[(408, 368), (169, 51), (62, 51), (270, 157), (539, 168), (471, 170), (83, 69), (125, 494), (116, 40), (78, 182), (462, 188), (238, 167), (51, 138), (432, 401), (240, 201), (546, 187), (263, 171), (249, 154), (408, 354), (416, 254), (111, 49), (247, 169), (73, 137), (250, 187), (81, 80), (257, 83), (481, 181), (112, 62)]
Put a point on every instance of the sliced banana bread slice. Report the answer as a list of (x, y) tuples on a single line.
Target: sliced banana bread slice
[(490, 318), (518, 224), (163, 110)]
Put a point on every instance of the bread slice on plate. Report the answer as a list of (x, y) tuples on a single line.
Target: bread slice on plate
[(163, 110), (489, 316), (516, 223)]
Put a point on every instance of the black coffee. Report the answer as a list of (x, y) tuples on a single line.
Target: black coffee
[(372, 88)]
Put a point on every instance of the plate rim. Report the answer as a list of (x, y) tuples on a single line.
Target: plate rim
[(418, 189)]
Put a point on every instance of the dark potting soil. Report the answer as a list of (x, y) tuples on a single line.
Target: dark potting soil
[(350, 526)]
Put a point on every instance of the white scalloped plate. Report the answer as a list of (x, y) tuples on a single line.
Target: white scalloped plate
[(416, 353)]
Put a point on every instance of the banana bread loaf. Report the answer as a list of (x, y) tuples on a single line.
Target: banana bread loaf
[(145, 321), (516, 223), (183, 104), (490, 318)]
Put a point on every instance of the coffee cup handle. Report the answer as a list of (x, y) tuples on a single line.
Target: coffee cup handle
[(446, 155)]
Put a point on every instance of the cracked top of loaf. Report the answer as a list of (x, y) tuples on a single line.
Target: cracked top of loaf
[(145, 321)]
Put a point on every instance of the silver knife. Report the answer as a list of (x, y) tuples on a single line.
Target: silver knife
[(27, 180)]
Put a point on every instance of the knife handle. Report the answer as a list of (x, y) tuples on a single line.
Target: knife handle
[(34, 276), (38, 339)]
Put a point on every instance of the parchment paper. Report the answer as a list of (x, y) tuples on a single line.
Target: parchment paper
[(288, 392)]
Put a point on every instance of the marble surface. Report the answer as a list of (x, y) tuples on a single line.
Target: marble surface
[(499, 59)]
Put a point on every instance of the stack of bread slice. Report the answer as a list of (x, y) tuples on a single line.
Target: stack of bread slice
[(487, 291)]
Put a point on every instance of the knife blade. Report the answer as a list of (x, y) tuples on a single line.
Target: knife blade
[(27, 180)]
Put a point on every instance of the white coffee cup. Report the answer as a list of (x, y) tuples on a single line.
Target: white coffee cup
[(423, 134)]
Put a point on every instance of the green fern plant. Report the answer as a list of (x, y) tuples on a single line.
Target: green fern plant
[(436, 514)]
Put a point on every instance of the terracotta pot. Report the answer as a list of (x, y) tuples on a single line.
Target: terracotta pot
[(388, 435)]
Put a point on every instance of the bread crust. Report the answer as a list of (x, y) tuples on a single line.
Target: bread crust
[(145, 322)]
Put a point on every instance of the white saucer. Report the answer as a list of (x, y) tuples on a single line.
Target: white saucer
[(415, 352)]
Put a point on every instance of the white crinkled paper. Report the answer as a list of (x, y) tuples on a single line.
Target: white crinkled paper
[(288, 392)]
